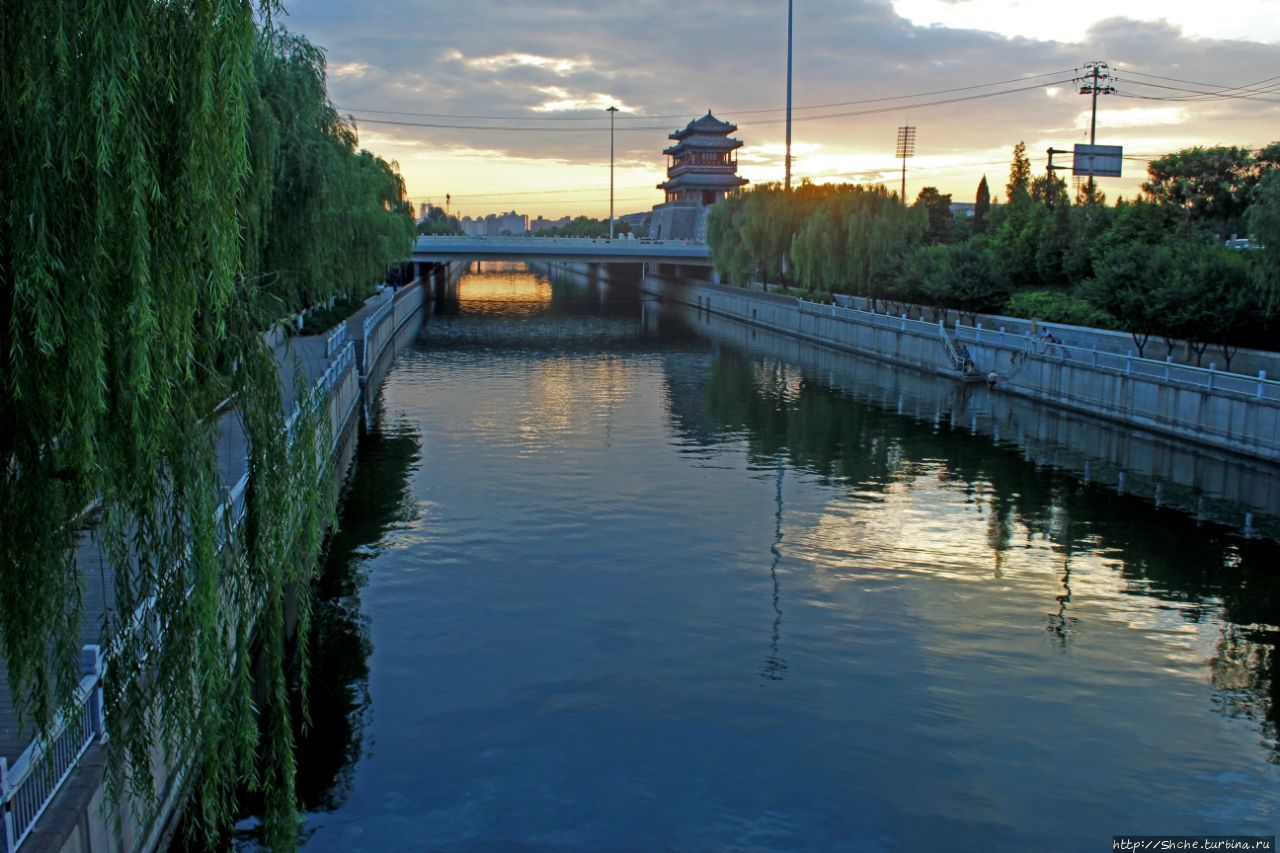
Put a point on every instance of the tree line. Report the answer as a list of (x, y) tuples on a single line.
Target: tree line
[(174, 179), (1155, 266)]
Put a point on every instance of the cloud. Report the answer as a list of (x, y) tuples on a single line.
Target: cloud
[(560, 100), (556, 66), (1135, 117), (559, 65), (350, 71)]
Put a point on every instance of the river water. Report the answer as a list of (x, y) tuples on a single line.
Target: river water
[(613, 575)]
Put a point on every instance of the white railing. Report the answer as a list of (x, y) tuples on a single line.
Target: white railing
[(1210, 378), (27, 788), (336, 339), (868, 318)]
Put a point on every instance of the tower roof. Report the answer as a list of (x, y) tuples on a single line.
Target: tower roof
[(707, 124)]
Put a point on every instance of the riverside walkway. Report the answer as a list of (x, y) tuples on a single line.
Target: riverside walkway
[(37, 776)]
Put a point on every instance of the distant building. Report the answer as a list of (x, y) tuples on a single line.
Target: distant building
[(701, 169), (962, 209), (495, 224), (539, 225), (638, 222)]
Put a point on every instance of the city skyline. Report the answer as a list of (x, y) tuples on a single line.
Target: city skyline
[(498, 106)]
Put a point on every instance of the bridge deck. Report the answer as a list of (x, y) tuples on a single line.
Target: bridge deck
[(599, 250)]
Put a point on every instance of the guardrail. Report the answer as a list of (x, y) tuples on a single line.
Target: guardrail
[(1210, 378), (28, 787), (336, 339), (869, 318)]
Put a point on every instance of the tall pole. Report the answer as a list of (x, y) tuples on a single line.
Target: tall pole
[(1093, 117), (1098, 71), (612, 110), (787, 179), (906, 148)]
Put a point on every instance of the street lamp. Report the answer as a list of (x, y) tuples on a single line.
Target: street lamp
[(612, 110), (786, 181)]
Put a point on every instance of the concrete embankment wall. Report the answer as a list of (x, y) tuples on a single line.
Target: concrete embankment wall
[(1243, 361), (1241, 415), (80, 818), (1209, 485)]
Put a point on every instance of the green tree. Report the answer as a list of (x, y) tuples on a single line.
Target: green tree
[(1049, 190), (439, 223), (981, 206), (937, 209), (219, 189), (1209, 185), (1264, 226), (1018, 191)]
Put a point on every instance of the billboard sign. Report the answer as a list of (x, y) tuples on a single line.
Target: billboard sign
[(1097, 161)]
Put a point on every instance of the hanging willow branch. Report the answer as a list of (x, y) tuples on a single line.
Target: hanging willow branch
[(173, 178)]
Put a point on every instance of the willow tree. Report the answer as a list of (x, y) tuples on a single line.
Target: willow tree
[(141, 235)]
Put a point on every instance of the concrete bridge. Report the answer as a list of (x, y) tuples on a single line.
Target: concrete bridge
[(589, 249)]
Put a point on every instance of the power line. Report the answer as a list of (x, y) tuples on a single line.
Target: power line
[(474, 116), (1220, 86), (664, 129)]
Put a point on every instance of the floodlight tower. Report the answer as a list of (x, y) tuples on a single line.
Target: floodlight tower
[(906, 148)]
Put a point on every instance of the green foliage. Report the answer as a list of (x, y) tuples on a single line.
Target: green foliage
[(849, 236), (585, 226), (328, 216), (1018, 191), (1264, 227), (961, 277), (981, 206), (1055, 306), (1143, 266), (1209, 185), (437, 223), (750, 233), (937, 209), (215, 186)]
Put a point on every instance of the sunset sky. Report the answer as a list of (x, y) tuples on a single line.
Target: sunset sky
[(501, 104)]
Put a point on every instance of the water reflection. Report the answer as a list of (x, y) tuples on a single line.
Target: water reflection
[(580, 632), (376, 502), (1206, 574)]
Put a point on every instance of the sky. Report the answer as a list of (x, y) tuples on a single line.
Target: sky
[(502, 105)]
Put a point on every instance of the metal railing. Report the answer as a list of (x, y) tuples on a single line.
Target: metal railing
[(27, 788), (869, 318), (1207, 378)]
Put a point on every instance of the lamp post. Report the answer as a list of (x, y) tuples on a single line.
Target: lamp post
[(612, 110), (786, 181)]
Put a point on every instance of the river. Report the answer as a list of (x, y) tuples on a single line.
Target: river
[(614, 575)]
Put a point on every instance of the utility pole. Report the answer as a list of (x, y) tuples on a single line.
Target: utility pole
[(906, 148), (1096, 82), (786, 184), (612, 110)]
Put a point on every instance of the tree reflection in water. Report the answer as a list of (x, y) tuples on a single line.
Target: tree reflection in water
[(790, 418)]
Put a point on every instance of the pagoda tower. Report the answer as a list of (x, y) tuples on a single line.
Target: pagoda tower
[(702, 166)]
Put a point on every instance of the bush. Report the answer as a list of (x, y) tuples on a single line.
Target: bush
[(1056, 306)]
